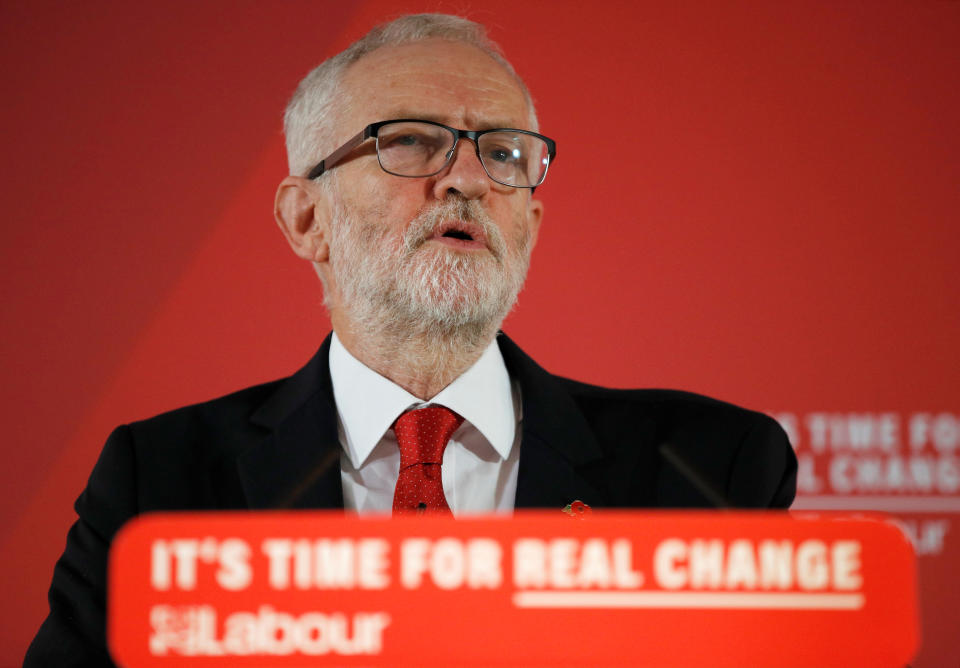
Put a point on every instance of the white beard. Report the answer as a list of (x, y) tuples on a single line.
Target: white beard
[(407, 292)]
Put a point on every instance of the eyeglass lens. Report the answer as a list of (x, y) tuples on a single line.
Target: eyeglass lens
[(422, 149)]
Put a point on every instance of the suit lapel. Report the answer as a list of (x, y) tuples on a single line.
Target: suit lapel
[(298, 464), (556, 444)]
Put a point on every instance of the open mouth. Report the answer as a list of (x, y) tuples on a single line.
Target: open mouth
[(460, 234), (457, 234)]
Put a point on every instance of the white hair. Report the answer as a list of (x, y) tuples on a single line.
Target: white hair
[(310, 116)]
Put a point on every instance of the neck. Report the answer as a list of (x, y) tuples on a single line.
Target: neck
[(422, 361)]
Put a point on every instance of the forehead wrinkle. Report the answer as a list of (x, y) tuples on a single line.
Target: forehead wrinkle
[(471, 120), (495, 93), (477, 109)]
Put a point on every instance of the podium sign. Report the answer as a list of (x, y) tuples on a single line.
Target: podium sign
[(538, 589)]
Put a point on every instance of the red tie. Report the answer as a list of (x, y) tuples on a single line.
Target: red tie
[(422, 435)]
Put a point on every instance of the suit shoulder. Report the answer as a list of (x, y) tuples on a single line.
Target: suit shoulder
[(195, 445), (657, 400), (672, 415), (238, 405), (745, 454), (203, 432)]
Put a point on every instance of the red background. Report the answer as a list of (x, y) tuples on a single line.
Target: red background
[(752, 200)]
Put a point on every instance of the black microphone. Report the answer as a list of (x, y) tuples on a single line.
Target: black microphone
[(694, 476)]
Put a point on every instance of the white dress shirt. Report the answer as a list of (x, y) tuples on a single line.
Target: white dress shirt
[(479, 469)]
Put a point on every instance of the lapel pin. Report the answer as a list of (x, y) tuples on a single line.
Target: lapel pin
[(577, 510)]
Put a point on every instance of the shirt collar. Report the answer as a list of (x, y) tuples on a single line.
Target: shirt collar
[(368, 403)]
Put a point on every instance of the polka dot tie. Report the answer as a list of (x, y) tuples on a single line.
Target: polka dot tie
[(422, 435)]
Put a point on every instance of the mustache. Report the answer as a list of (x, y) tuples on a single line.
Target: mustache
[(456, 207)]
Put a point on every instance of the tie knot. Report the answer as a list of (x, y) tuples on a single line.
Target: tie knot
[(423, 434)]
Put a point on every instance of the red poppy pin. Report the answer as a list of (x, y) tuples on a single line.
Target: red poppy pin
[(577, 510)]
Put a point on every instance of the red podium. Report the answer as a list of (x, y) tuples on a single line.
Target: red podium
[(538, 589)]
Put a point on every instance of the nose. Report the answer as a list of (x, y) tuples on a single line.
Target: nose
[(463, 175)]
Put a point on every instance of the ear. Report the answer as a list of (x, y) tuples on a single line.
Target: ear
[(302, 212), (534, 217)]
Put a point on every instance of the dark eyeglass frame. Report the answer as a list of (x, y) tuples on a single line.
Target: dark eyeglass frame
[(373, 130)]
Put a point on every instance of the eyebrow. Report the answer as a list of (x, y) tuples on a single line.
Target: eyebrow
[(436, 118)]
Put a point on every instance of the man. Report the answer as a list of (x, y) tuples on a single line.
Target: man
[(414, 156)]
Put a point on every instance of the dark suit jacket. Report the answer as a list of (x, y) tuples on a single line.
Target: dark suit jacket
[(275, 445)]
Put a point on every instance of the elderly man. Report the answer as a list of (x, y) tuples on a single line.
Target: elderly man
[(414, 157)]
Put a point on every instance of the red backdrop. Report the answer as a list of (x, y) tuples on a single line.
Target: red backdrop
[(755, 201)]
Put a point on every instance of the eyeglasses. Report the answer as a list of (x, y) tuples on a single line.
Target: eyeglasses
[(414, 148)]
